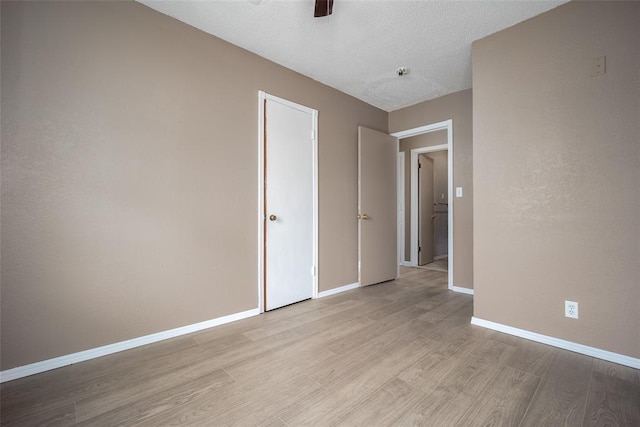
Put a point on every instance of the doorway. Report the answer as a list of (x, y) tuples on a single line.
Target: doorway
[(287, 202), (433, 210), (447, 126)]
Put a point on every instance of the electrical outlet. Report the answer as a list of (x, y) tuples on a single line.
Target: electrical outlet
[(571, 309), (599, 66)]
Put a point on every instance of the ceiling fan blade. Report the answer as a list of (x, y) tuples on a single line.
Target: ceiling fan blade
[(323, 8)]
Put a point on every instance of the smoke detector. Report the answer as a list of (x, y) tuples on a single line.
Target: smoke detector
[(402, 71)]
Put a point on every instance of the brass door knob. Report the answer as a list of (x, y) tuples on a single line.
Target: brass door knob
[(272, 217), (365, 216)]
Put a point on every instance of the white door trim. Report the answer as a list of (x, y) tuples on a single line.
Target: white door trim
[(400, 209), (262, 97), (444, 125)]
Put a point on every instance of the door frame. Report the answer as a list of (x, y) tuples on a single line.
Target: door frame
[(262, 98), (434, 127), (400, 208)]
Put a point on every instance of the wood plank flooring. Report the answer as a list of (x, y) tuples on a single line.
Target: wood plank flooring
[(394, 354)]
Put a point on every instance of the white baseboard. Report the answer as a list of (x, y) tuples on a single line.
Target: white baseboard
[(620, 359), (58, 362), (462, 290), (338, 290), (407, 263)]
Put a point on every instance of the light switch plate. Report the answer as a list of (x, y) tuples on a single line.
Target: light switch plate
[(458, 191)]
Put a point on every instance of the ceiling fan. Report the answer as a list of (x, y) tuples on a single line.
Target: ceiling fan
[(323, 8)]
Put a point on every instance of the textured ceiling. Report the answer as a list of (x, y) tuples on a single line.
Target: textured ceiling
[(358, 49)]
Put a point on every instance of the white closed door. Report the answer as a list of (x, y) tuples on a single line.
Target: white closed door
[(288, 203), (377, 216)]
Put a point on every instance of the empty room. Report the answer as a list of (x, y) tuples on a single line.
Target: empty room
[(320, 212)]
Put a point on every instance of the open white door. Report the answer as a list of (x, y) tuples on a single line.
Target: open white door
[(289, 207), (377, 217), (426, 247)]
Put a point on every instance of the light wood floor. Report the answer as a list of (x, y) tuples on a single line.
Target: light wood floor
[(398, 353), (437, 265)]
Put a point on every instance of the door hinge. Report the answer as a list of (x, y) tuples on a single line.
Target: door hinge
[(419, 165), (419, 249)]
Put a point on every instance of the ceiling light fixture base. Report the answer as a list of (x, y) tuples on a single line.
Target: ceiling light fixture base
[(402, 71)]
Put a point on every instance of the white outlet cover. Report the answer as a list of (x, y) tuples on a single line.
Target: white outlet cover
[(571, 309), (458, 191)]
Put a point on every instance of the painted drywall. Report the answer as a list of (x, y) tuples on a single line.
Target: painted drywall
[(129, 175), (405, 146), (458, 107), (557, 173)]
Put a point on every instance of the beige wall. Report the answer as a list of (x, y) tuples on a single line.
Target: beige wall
[(456, 106), (406, 145), (129, 175), (557, 175)]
